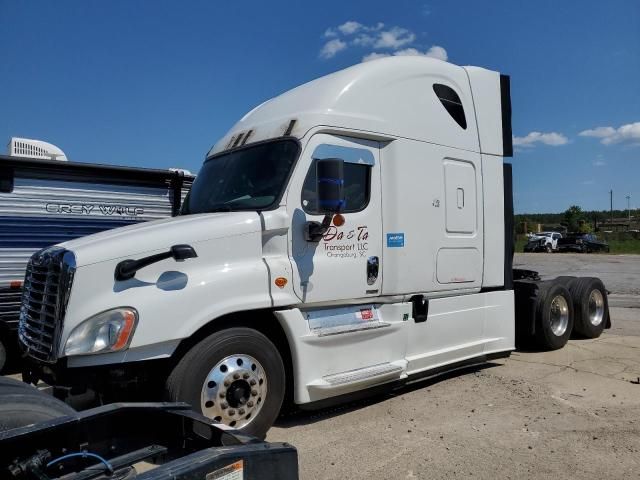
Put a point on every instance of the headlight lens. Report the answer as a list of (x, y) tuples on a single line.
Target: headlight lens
[(109, 331)]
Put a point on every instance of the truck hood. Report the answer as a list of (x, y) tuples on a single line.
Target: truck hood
[(142, 238)]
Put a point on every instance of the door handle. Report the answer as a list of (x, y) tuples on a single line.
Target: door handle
[(373, 268), (420, 309)]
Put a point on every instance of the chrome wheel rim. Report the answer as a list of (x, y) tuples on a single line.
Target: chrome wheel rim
[(234, 391), (559, 315), (596, 307)]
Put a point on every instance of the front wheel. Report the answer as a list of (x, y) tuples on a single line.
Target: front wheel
[(235, 376)]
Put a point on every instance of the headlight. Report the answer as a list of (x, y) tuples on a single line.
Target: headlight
[(109, 331)]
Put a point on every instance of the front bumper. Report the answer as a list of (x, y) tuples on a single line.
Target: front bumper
[(133, 381)]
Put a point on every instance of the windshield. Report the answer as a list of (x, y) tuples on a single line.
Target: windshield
[(252, 178)]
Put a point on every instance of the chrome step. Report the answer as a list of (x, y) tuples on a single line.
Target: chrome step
[(337, 330), (356, 379)]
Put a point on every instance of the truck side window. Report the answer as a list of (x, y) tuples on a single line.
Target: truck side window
[(357, 178), (451, 102), (6, 180)]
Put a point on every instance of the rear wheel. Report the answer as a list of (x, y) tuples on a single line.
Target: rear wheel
[(235, 376), (590, 305), (554, 317)]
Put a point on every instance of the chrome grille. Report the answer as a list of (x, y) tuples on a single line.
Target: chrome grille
[(46, 290)]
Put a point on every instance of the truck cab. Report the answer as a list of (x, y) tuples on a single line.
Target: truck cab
[(350, 234)]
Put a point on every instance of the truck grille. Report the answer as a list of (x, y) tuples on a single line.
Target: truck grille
[(47, 285)]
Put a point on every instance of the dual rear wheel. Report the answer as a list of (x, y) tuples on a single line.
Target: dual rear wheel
[(569, 305)]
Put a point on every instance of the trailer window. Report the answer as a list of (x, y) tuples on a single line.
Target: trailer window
[(357, 178), (6, 180), (451, 102)]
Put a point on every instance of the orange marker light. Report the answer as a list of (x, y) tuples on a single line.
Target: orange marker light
[(15, 284), (127, 328), (280, 282), (338, 220)]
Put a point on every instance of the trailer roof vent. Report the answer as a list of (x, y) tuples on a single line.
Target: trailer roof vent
[(451, 102), (26, 147)]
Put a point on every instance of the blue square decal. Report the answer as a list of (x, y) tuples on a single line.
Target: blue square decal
[(395, 240)]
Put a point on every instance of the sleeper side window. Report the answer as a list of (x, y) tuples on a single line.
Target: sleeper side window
[(358, 163), (451, 102)]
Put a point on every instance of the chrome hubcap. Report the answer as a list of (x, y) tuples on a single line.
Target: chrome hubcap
[(596, 307), (234, 391), (559, 315)]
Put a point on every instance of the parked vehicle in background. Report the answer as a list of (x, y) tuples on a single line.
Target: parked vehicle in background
[(45, 201), (543, 242), (582, 243)]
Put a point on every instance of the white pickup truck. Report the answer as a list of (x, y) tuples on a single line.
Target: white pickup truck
[(352, 234), (543, 242)]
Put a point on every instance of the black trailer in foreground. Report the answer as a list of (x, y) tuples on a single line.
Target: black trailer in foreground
[(143, 441)]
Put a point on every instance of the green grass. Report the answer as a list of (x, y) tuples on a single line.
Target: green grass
[(625, 246)]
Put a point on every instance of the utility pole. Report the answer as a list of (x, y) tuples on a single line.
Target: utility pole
[(629, 210), (611, 200)]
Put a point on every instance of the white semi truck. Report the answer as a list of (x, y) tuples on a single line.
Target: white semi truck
[(352, 233)]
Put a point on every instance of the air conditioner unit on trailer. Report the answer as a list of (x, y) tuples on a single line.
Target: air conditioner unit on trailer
[(26, 147)]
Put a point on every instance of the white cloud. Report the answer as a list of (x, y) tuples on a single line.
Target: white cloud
[(437, 52), (374, 56), (330, 32), (364, 40), (332, 47), (629, 133), (553, 139), (598, 162), (393, 40), (350, 27), (395, 37), (434, 52)]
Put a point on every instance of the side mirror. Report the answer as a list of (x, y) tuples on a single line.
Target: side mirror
[(330, 185), (330, 188), (127, 269)]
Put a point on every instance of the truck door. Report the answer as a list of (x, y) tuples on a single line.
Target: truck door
[(347, 262)]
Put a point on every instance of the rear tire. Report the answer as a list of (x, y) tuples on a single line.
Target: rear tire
[(235, 376), (554, 316), (591, 306), (22, 405)]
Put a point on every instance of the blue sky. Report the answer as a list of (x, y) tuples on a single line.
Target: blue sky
[(155, 83)]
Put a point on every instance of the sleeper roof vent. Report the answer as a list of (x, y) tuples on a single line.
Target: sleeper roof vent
[(26, 147)]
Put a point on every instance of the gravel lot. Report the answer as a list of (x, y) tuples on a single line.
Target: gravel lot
[(573, 413)]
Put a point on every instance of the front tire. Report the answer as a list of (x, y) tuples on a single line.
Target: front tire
[(235, 376)]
